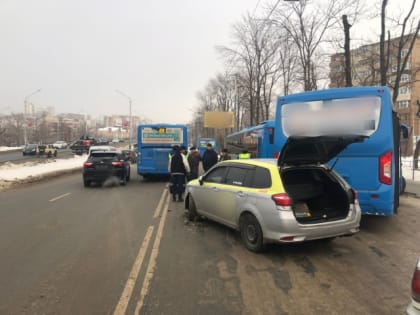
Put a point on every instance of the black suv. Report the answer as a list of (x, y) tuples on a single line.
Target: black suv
[(102, 165)]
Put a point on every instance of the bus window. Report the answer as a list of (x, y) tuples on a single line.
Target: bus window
[(258, 140)]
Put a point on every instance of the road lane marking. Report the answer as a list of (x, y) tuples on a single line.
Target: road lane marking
[(121, 307), (59, 197), (159, 206), (153, 259)]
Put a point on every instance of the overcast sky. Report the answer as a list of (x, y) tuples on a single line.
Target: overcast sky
[(158, 52)]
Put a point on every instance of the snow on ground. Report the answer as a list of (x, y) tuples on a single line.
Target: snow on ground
[(18, 172), (3, 149)]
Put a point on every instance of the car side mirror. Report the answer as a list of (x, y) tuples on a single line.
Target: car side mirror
[(200, 180)]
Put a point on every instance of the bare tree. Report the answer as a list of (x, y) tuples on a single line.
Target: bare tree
[(309, 24), (347, 55), (255, 54), (405, 42)]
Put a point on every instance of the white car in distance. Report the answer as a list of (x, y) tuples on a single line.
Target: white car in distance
[(60, 144)]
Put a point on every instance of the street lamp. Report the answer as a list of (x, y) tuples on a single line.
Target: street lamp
[(25, 137), (129, 128)]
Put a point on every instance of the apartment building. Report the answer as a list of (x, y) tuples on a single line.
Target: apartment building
[(365, 72)]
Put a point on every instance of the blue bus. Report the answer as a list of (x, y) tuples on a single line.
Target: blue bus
[(155, 142), (372, 167), (202, 145), (257, 140)]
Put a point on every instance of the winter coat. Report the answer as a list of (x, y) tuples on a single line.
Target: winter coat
[(178, 164), (209, 159)]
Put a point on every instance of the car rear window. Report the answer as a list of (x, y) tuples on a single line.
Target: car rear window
[(104, 155)]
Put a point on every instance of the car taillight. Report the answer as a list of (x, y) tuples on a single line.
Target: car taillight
[(118, 164), (87, 164), (282, 199), (415, 283), (385, 168)]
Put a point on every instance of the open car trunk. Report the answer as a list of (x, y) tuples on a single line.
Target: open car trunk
[(316, 194)]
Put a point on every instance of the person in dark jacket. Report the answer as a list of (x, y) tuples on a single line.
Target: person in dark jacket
[(179, 169), (210, 158), (224, 156), (194, 162)]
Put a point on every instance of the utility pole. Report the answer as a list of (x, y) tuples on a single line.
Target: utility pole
[(130, 119), (25, 135)]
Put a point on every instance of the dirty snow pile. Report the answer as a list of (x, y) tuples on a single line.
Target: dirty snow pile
[(4, 149), (18, 172)]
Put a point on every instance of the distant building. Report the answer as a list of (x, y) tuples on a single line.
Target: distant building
[(365, 72), (29, 109)]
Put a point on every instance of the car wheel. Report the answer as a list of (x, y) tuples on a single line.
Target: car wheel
[(23, 153), (86, 183), (251, 233), (123, 181), (55, 154), (192, 209), (49, 154), (128, 175)]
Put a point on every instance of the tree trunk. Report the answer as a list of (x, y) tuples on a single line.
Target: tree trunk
[(347, 56), (382, 60)]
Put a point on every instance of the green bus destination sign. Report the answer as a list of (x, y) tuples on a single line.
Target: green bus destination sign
[(162, 135)]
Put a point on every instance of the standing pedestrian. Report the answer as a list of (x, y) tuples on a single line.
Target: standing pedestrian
[(210, 157), (194, 162), (224, 156), (179, 169)]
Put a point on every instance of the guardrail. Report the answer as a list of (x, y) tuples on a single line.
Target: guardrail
[(412, 165)]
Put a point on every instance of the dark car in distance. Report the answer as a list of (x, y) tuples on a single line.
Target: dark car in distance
[(103, 165), (29, 149)]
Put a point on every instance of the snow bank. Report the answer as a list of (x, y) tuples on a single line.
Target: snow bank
[(4, 149), (17, 172)]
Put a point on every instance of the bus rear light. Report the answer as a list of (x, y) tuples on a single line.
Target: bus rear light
[(282, 199), (355, 194), (385, 168), (415, 283)]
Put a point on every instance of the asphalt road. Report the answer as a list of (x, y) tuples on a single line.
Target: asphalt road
[(65, 249)]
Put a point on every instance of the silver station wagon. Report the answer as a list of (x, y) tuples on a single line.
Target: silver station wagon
[(293, 199)]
